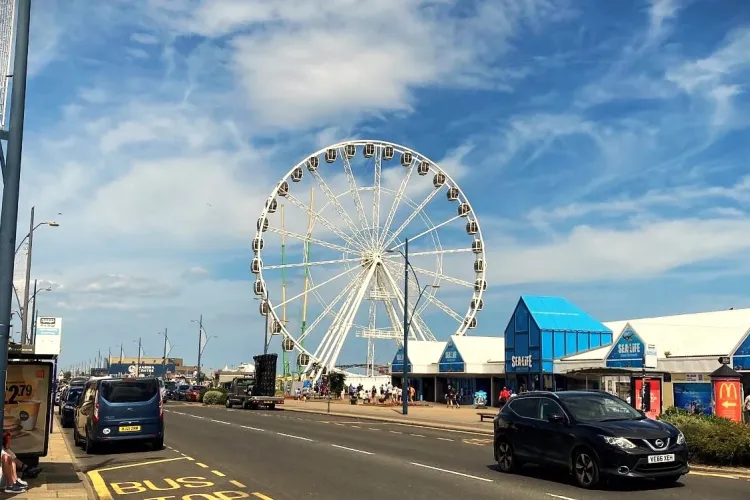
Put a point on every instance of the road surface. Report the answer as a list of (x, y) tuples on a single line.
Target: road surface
[(287, 456)]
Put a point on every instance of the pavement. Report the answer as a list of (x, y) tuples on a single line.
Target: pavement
[(291, 455), (59, 477)]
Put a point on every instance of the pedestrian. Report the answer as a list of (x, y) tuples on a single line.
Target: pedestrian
[(12, 467), (504, 396), (746, 407)]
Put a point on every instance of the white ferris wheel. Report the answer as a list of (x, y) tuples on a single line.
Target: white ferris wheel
[(344, 255)]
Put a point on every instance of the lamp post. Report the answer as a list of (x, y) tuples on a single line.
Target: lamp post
[(266, 339), (138, 364), (32, 337), (407, 319), (164, 358), (26, 338), (200, 347)]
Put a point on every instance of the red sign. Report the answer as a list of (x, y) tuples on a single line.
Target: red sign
[(728, 397), (654, 386)]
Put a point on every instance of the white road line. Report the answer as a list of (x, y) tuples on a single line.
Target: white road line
[(444, 439), (418, 435), (293, 436), (452, 472), (395, 432), (559, 496), (220, 422), (352, 449), (355, 427), (252, 428), (373, 429)]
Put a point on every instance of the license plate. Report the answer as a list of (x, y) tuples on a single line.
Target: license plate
[(268, 402), (660, 459), (136, 428)]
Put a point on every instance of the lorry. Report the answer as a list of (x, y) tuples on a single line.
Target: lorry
[(257, 389)]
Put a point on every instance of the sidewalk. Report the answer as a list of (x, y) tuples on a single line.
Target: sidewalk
[(437, 416), (58, 478)]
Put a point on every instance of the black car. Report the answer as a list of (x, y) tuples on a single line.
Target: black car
[(68, 406), (179, 394), (590, 433)]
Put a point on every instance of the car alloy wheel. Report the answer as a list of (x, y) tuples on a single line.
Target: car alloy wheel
[(585, 469), (505, 458)]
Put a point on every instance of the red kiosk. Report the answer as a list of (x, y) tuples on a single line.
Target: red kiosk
[(727, 391)]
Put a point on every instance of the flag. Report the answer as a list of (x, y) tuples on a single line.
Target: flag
[(168, 346)]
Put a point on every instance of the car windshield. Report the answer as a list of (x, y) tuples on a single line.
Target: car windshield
[(184, 387), (170, 385), (129, 391), (73, 395), (599, 408)]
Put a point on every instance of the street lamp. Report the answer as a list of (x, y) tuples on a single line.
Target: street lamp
[(164, 359), (408, 318), (266, 340), (32, 337), (201, 332), (25, 305)]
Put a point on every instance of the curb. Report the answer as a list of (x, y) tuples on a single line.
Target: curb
[(726, 471), (415, 423), (84, 478)]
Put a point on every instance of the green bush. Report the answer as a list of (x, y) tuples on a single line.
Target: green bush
[(213, 397), (712, 440)]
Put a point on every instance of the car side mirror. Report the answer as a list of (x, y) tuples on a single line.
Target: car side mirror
[(556, 418)]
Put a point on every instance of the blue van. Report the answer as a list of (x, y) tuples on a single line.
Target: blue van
[(113, 409)]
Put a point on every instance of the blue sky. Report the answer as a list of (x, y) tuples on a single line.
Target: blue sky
[(603, 146)]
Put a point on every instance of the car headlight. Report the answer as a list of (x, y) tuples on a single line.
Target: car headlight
[(619, 442), (680, 438)]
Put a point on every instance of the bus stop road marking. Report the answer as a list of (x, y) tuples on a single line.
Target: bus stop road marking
[(100, 486)]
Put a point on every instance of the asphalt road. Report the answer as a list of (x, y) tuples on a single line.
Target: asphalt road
[(287, 455)]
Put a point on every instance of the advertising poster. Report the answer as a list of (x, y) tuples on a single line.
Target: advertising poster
[(27, 399), (728, 398), (144, 370), (693, 397), (654, 390), (48, 335)]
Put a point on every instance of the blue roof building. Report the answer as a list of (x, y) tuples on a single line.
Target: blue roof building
[(543, 329)]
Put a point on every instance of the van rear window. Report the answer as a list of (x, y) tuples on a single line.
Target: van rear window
[(129, 391)]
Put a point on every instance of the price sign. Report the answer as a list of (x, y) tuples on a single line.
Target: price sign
[(14, 391)]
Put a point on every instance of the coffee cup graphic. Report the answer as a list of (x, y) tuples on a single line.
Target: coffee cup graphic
[(28, 412)]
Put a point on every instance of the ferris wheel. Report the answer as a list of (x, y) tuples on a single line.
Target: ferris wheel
[(344, 255)]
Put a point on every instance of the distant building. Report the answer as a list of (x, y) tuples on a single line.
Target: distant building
[(157, 367)]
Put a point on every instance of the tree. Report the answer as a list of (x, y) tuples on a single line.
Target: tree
[(67, 376), (336, 383)]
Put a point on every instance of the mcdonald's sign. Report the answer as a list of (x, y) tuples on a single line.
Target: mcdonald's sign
[(728, 397)]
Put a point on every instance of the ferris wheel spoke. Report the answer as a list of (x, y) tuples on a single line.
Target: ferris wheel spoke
[(442, 277), (337, 206), (273, 308), (308, 239), (376, 195), (428, 231), (419, 328), (445, 308), (322, 220), (443, 251), (353, 187), (395, 205), (347, 325), (313, 263), (331, 305), (411, 217)]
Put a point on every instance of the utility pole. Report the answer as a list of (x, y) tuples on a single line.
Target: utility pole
[(25, 312), (200, 347), (164, 359), (405, 384), (32, 335), (122, 348), (11, 184), (109, 357), (138, 365)]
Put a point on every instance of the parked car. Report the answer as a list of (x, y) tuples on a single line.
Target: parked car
[(592, 434), (193, 393), (68, 408), (171, 388), (63, 397), (127, 409), (180, 394)]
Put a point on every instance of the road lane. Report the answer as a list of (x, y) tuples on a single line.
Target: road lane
[(287, 465), (371, 440)]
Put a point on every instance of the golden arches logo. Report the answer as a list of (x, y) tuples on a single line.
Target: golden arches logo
[(728, 390)]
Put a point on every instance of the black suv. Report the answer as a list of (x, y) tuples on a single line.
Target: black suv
[(591, 433)]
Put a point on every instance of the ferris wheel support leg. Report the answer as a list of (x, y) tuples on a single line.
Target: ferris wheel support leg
[(326, 345), (415, 321)]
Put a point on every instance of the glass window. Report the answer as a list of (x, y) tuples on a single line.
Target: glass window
[(129, 391), (525, 407), (598, 407), (549, 407), (73, 395)]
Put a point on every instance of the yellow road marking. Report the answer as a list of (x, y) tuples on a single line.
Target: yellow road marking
[(199, 464), (218, 473), (141, 464), (99, 485), (237, 484), (262, 496), (716, 474)]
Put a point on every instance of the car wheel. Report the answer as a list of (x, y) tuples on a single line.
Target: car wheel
[(158, 444), (506, 458), (76, 437), (667, 480), (585, 469), (228, 404), (272, 406)]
